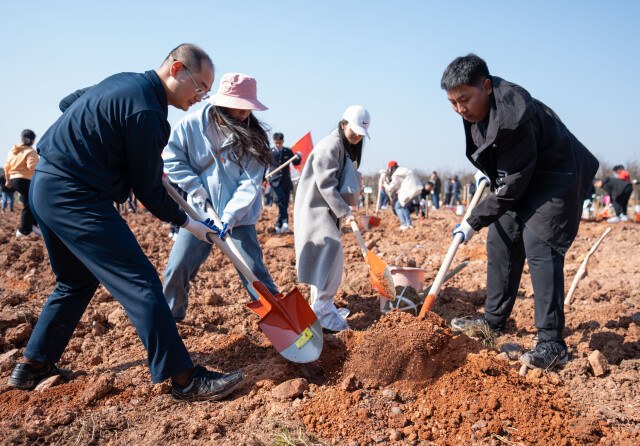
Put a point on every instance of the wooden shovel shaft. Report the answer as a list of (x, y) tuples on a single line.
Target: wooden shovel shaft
[(379, 194), (361, 244), (457, 239), (282, 166), (583, 269), (237, 262), (212, 214)]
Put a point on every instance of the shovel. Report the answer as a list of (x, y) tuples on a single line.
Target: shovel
[(374, 220), (282, 166), (289, 322), (381, 279), (457, 239)]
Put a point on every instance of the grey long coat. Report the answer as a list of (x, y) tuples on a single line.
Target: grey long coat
[(317, 211)]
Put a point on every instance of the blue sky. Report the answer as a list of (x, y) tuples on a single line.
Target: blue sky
[(314, 59)]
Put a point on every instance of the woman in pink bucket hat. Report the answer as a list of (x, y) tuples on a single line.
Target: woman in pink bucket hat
[(218, 155)]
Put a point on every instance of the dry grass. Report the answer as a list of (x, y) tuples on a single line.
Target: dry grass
[(299, 438), (482, 332)]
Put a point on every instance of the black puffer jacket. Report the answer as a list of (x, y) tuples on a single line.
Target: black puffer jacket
[(616, 187), (537, 168)]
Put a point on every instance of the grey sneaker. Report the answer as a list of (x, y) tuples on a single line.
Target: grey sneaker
[(464, 324), (207, 385), (546, 355), (26, 377)]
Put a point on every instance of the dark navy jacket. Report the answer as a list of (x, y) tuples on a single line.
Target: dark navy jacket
[(537, 168), (282, 178), (110, 137)]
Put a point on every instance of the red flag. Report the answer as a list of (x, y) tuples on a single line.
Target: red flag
[(304, 146)]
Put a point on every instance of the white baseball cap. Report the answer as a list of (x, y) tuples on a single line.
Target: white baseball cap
[(358, 118)]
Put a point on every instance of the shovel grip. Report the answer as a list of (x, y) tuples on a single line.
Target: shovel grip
[(238, 263)]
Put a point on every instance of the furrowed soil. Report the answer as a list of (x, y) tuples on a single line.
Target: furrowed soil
[(394, 379)]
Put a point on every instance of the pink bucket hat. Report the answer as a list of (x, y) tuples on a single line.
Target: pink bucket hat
[(237, 91)]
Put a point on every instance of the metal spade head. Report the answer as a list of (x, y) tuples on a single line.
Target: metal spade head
[(381, 279), (374, 221), (289, 323)]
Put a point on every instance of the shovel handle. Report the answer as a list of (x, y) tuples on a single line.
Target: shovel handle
[(237, 262), (214, 216), (282, 166), (457, 239), (379, 194), (361, 244)]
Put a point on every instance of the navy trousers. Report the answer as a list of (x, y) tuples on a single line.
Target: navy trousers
[(282, 200), (509, 243), (88, 244)]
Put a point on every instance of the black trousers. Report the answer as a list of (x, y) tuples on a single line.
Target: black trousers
[(621, 202), (26, 218), (509, 243), (282, 200)]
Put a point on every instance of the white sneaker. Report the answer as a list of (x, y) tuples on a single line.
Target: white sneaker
[(20, 234), (410, 227), (329, 316), (404, 227), (624, 218), (615, 219), (285, 227), (278, 230)]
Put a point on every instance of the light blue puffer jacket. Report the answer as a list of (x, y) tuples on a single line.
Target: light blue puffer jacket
[(234, 188)]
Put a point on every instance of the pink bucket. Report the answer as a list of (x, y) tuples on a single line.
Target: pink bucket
[(405, 276)]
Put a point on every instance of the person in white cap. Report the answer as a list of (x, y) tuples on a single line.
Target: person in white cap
[(318, 210), (218, 155)]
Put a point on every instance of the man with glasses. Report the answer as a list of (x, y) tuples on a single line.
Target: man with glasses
[(108, 141)]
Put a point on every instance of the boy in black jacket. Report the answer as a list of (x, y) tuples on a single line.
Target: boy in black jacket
[(540, 174), (281, 180), (620, 192)]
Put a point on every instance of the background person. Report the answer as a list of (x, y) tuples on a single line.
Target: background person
[(437, 189), (8, 194), (318, 210), (18, 169), (280, 181), (620, 192), (219, 154), (621, 172), (448, 191), (456, 190), (403, 186), (540, 174), (106, 142)]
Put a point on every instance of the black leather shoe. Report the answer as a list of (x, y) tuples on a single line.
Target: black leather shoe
[(26, 377), (207, 385)]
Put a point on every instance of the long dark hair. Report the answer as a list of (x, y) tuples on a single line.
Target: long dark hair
[(250, 138), (354, 150)]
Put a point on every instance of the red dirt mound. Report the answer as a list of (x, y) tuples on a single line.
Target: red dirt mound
[(398, 346)]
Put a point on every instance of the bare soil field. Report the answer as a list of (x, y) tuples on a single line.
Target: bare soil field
[(394, 379)]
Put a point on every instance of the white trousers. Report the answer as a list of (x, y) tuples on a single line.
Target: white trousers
[(322, 299)]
